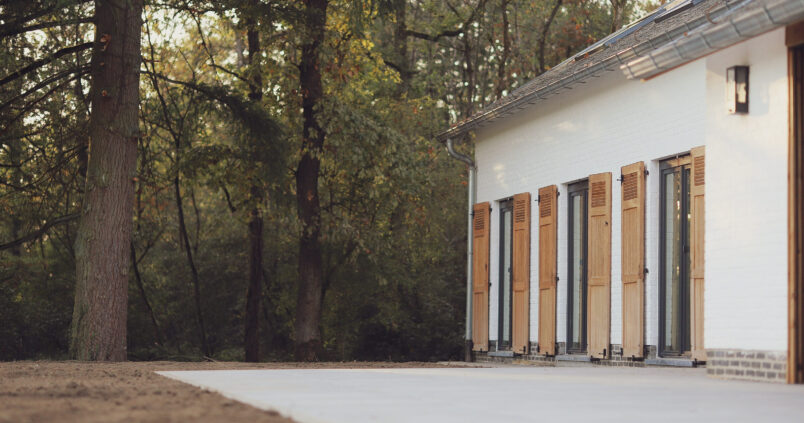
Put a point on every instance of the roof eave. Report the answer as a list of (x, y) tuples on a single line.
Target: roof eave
[(715, 37)]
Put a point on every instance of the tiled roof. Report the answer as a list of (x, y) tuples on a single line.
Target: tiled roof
[(753, 19)]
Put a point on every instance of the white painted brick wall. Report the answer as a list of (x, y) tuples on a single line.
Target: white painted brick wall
[(746, 201), (612, 122)]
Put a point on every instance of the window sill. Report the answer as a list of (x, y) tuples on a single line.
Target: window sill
[(574, 357), (671, 362), (500, 354)]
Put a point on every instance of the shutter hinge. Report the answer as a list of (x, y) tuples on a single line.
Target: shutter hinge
[(620, 179), (556, 278), (647, 172), (558, 193), (646, 271), (538, 198)]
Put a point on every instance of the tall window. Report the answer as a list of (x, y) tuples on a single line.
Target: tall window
[(505, 293), (577, 272), (674, 280)]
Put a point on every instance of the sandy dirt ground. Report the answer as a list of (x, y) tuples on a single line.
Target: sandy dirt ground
[(41, 391)]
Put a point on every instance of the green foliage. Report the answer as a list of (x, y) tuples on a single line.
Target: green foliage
[(393, 202)]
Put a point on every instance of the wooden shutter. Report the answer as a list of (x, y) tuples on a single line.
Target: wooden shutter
[(697, 188), (599, 265), (548, 214), (633, 258), (521, 273), (480, 273)]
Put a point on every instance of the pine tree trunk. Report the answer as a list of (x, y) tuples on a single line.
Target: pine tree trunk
[(16, 175), (252, 338), (308, 305), (502, 73), (617, 14), (401, 46), (13, 131), (188, 250), (253, 296), (104, 234), (141, 287), (545, 33)]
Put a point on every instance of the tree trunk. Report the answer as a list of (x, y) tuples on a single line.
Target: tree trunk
[(141, 287), (185, 240), (98, 329), (617, 14), (502, 73), (308, 305), (468, 77), (13, 131), (15, 157), (252, 339), (545, 33), (255, 284), (401, 46)]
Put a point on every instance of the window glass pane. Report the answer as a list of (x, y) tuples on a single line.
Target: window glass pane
[(675, 338), (672, 261), (576, 288), (577, 268), (506, 282)]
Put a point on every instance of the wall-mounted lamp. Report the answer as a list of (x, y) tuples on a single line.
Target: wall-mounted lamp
[(737, 89)]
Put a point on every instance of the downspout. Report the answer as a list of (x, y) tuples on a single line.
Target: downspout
[(469, 238)]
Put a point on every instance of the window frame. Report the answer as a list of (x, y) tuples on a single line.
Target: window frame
[(683, 165), (580, 188), (505, 205)]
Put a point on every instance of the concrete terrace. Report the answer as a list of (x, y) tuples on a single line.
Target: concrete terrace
[(512, 394)]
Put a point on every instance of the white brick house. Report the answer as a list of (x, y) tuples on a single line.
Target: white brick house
[(654, 95)]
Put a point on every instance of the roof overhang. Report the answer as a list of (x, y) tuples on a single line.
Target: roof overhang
[(717, 35)]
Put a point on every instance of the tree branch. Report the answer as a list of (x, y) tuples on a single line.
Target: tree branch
[(235, 74), (76, 73), (436, 37), (44, 61), (12, 31), (232, 208), (481, 5), (36, 234)]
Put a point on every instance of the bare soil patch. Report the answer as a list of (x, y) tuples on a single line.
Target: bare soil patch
[(43, 391)]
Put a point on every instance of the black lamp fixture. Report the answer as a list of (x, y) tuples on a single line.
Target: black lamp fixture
[(737, 89)]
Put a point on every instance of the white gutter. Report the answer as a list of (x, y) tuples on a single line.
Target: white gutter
[(716, 36), (469, 245)]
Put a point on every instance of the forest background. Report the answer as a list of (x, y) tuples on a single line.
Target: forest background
[(288, 198)]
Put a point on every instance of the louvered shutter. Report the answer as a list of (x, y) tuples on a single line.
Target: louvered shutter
[(599, 252), (521, 273), (697, 188), (633, 258), (548, 211), (480, 273)]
